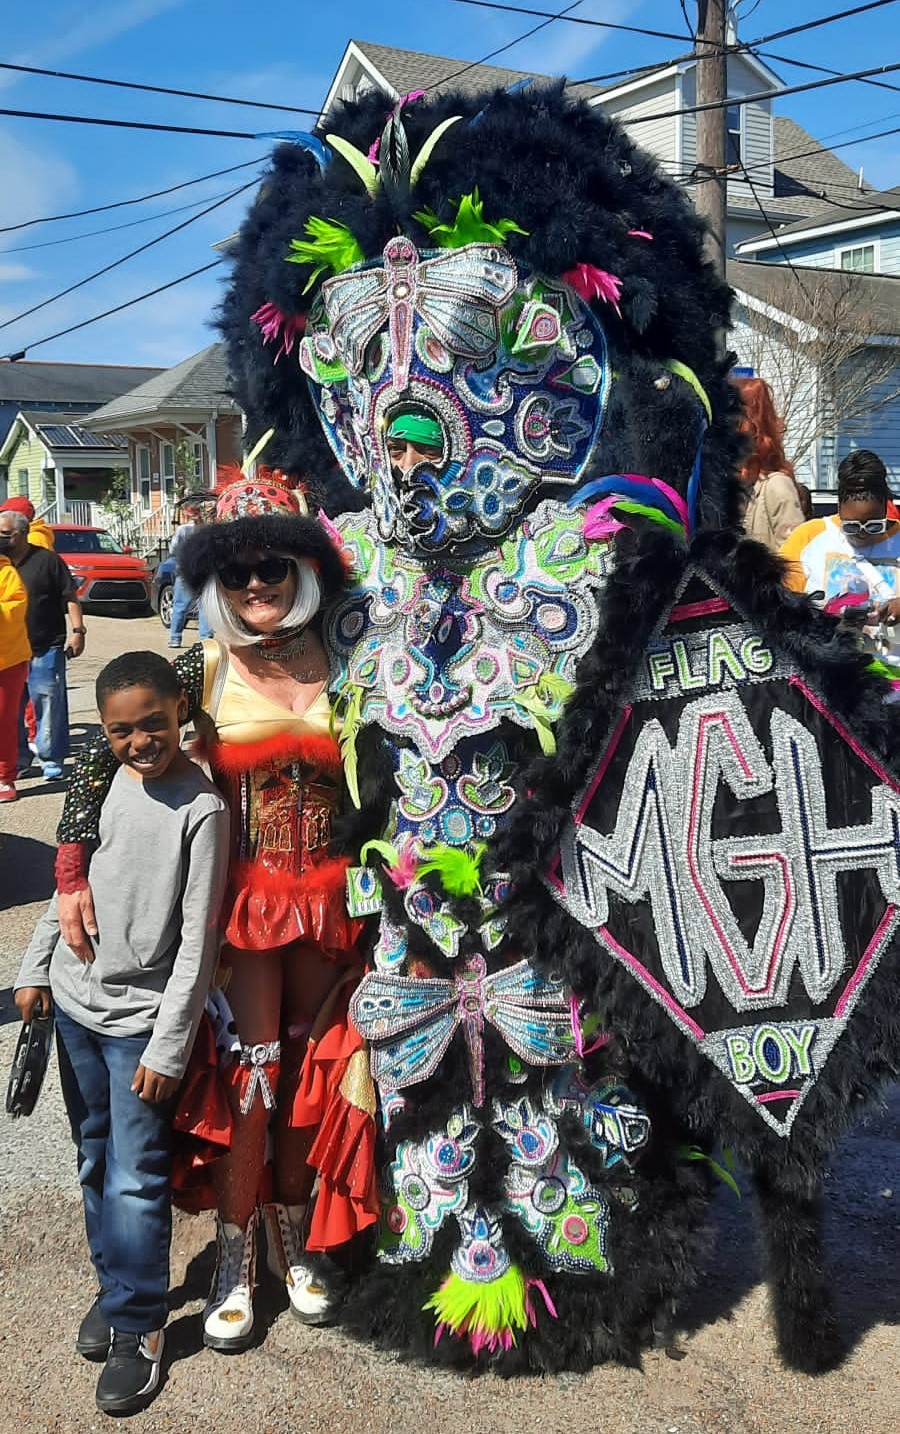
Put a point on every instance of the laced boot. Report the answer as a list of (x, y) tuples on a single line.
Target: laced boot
[(316, 1286), (228, 1317)]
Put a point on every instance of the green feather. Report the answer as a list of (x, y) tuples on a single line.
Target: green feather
[(422, 158), (723, 1171), (383, 848), (469, 227), (655, 516), (485, 1310), (256, 450), (681, 370), (883, 669), (331, 248), (459, 871), (357, 161), (352, 699)]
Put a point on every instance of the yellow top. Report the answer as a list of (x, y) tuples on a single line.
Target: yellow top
[(14, 644), (242, 714), (40, 535)]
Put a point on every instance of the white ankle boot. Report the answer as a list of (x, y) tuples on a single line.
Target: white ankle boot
[(228, 1317), (315, 1284)]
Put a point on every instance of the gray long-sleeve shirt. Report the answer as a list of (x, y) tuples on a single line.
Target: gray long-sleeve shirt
[(157, 879)]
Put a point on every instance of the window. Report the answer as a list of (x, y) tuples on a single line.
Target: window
[(23, 483), (734, 137), (167, 451), (198, 461), (85, 540), (861, 259), (143, 473)]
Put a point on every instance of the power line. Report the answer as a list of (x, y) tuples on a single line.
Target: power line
[(738, 101), (155, 89), (570, 19), (129, 124), (806, 153), (822, 69), (475, 64), (110, 229), (125, 257), (129, 303), (121, 203)]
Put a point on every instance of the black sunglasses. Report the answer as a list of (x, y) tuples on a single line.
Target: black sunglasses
[(271, 571)]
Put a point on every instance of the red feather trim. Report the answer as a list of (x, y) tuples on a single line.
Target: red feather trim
[(322, 753)]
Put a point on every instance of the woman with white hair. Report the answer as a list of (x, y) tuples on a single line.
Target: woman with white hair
[(257, 694)]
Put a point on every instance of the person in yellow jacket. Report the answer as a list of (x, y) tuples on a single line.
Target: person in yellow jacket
[(15, 653), (40, 534)]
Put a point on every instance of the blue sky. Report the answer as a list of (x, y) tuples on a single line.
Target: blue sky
[(288, 54)]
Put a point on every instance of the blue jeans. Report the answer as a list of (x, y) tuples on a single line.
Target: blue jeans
[(182, 597), (47, 690), (124, 1162)]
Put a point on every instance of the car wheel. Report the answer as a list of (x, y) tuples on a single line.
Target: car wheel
[(166, 601)]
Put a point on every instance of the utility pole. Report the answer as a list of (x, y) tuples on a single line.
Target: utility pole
[(712, 85)]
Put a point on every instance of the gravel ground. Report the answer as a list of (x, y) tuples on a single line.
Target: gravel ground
[(316, 1380)]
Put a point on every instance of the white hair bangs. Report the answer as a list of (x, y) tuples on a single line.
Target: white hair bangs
[(217, 610)]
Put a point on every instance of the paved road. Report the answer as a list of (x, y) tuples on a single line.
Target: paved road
[(298, 1379)]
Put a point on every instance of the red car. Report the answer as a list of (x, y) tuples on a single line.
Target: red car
[(110, 579)]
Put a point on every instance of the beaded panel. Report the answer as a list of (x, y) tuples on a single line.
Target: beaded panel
[(705, 857)]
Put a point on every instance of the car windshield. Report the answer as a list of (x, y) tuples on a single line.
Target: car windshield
[(85, 540)]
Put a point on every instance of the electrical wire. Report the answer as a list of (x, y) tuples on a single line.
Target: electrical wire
[(738, 101), (570, 19), (129, 303), (110, 229), (822, 69), (129, 124), (686, 175), (155, 89), (125, 257), (475, 64), (121, 203)]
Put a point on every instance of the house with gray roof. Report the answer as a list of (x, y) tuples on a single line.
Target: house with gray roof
[(177, 427), (790, 173), (50, 454), (76, 389)]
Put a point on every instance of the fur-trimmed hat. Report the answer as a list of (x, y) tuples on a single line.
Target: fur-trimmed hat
[(260, 512)]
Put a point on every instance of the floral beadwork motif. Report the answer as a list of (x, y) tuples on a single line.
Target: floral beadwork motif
[(567, 1216), (514, 369), (440, 655), (428, 1183)]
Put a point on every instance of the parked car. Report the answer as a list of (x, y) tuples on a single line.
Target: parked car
[(109, 577), (162, 593)]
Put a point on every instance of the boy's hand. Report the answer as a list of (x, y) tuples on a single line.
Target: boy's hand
[(77, 922), (150, 1085), (33, 1002)]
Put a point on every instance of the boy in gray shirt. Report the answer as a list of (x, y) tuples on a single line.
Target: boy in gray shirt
[(126, 1020)]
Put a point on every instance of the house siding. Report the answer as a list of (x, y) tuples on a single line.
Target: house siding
[(28, 453), (823, 252), (808, 466), (757, 135), (879, 431), (659, 136)]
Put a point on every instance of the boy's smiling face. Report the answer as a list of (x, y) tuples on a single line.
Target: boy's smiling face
[(143, 728)]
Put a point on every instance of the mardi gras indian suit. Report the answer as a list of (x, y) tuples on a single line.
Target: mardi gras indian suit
[(582, 725)]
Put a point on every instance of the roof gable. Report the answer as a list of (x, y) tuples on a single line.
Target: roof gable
[(198, 382), (33, 383)]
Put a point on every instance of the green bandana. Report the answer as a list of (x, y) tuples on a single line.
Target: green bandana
[(417, 428)]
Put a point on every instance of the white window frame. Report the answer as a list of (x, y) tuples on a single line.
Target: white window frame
[(873, 244), (198, 459), (730, 160), (144, 483), (22, 481), (167, 469)]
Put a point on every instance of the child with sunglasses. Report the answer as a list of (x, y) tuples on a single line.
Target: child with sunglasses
[(852, 558), (299, 1077)]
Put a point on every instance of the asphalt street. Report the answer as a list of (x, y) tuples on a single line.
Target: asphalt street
[(298, 1379)]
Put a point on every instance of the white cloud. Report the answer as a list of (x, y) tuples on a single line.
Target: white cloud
[(13, 273), (562, 49), (89, 26), (35, 183)]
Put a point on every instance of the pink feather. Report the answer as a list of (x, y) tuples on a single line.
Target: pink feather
[(592, 283), (404, 873), (640, 234), (598, 521), (275, 325)]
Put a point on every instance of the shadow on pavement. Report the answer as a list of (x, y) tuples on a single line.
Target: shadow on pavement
[(26, 871)]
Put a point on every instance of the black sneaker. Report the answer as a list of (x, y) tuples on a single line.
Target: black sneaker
[(94, 1334), (131, 1372), (316, 1287)]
